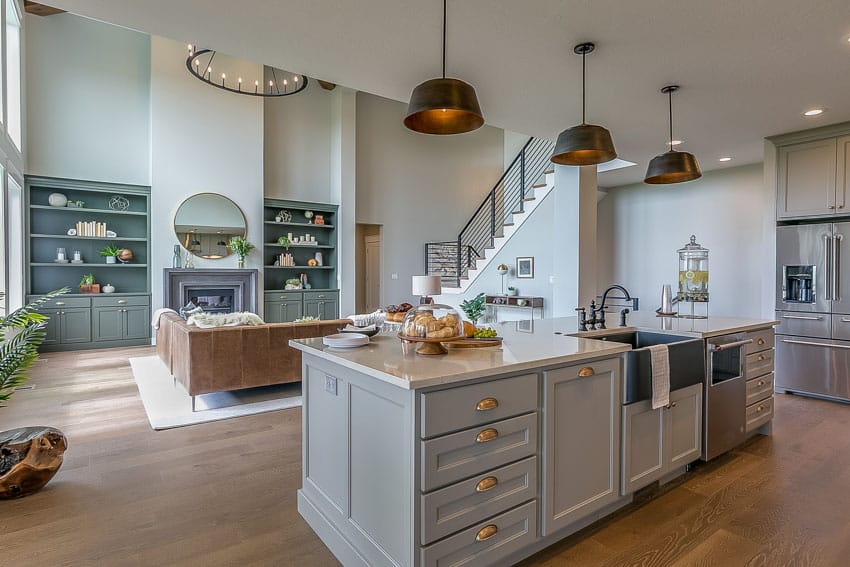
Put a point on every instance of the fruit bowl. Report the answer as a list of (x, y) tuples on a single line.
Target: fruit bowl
[(431, 325)]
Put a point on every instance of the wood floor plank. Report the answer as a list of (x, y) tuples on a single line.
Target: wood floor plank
[(224, 493)]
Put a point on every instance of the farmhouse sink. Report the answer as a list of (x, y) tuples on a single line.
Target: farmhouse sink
[(687, 362)]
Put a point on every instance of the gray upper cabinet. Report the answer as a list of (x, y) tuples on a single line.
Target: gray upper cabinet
[(813, 178), (581, 456)]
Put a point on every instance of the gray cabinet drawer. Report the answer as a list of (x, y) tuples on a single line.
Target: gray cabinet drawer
[(467, 406), (841, 327), (762, 340), (120, 300), (804, 324), (326, 295), (759, 388), (283, 295), (486, 543), (759, 413), (473, 451), (62, 302), (759, 363), (455, 507)]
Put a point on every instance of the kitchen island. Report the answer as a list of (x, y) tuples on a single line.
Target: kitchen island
[(477, 457)]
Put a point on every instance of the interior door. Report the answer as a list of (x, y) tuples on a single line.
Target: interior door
[(841, 293), (799, 248), (373, 273)]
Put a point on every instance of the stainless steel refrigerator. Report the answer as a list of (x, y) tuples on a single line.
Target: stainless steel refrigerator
[(813, 304)]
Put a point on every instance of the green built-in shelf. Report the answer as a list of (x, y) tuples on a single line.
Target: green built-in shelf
[(87, 210)]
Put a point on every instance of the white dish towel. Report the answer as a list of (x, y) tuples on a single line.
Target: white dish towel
[(659, 358)]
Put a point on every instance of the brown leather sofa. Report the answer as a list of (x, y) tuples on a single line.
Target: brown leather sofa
[(232, 358)]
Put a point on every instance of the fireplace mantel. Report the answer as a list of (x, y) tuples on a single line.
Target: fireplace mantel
[(178, 281)]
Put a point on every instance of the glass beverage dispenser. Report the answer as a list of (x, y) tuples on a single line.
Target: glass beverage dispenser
[(693, 276)]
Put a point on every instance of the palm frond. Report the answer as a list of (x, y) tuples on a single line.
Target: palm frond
[(28, 314), (17, 355)]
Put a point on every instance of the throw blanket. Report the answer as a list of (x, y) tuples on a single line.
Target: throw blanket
[(211, 320), (159, 313)]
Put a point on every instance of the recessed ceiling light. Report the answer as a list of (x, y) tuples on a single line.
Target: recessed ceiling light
[(726, 158), (813, 112), (674, 142)]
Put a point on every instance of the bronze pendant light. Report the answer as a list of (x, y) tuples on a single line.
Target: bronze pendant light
[(585, 144), (444, 106), (672, 166)]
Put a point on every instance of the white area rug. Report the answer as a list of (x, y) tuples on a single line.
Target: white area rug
[(168, 405)]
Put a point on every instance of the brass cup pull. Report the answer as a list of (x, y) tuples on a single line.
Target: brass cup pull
[(760, 357), (486, 484), (486, 532), (760, 342), (487, 404), (586, 371), (760, 408), (486, 435), (283, 297), (122, 301), (760, 382)]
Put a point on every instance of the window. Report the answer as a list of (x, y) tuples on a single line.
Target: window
[(14, 243), (13, 73)]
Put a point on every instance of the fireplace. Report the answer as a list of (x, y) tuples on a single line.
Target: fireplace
[(215, 290)]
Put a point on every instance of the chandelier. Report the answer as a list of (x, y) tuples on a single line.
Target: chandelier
[(241, 77)]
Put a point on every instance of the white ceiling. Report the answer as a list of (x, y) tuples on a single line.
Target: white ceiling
[(747, 68)]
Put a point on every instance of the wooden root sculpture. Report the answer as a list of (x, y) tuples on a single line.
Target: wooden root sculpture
[(29, 457)]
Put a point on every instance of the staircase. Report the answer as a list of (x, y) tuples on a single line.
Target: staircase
[(506, 207)]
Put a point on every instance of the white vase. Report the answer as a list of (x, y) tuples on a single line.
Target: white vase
[(319, 259), (110, 259), (108, 288), (57, 200)]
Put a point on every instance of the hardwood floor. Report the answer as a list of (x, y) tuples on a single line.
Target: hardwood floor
[(223, 493)]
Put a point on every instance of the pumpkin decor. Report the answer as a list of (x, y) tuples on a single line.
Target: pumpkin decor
[(125, 255), (312, 262)]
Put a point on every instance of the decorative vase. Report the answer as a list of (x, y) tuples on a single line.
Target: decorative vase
[(109, 288), (57, 200), (110, 259), (33, 455), (319, 259), (241, 262)]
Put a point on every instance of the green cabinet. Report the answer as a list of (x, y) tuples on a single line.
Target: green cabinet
[(312, 243), (117, 215), (287, 306)]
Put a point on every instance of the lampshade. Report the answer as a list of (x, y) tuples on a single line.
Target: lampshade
[(444, 106), (427, 285), (585, 144), (672, 167)]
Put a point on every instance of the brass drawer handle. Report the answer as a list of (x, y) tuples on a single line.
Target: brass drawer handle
[(760, 357), (487, 404), (283, 297), (760, 408), (586, 371), (760, 383), (486, 483), (486, 435), (321, 295), (486, 532), (122, 301), (60, 303), (760, 342)]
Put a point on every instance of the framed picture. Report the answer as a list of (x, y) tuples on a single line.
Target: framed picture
[(525, 267)]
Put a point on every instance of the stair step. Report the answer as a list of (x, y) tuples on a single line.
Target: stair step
[(548, 171), (539, 186), (530, 199), (508, 224)]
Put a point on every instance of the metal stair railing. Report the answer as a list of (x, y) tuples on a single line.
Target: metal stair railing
[(452, 260)]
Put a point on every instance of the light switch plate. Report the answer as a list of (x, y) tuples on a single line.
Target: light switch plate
[(330, 385)]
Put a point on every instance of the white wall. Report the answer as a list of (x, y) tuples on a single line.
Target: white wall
[(420, 188), (297, 145), (203, 140), (88, 100), (641, 227)]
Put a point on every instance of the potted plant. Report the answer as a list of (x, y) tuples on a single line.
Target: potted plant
[(88, 285), (285, 242), (110, 253), (513, 291), (241, 247), (474, 308), (30, 455)]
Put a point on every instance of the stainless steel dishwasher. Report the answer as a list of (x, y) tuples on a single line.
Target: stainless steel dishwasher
[(725, 394)]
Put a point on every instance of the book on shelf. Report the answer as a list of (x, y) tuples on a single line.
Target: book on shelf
[(91, 228)]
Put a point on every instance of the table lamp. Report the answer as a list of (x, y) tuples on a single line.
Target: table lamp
[(426, 286)]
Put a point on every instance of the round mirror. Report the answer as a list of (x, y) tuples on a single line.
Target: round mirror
[(206, 222)]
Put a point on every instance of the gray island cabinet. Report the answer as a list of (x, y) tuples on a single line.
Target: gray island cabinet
[(479, 457)]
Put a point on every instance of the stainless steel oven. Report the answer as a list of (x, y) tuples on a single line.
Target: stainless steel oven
[(725, 397)]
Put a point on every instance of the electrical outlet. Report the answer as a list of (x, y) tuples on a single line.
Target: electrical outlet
[(394, 276), (551, 279), (330, 385)]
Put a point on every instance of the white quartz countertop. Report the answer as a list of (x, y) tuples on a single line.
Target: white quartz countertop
[(526, 345), (649, 321)]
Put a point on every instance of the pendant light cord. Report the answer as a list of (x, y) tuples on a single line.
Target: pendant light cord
[(583, 84), (670, 100), (444, 38)]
